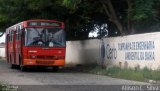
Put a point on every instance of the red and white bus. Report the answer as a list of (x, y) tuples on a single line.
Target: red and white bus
[(36, 43)]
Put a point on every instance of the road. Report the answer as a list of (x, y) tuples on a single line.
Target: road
[(49, 79)]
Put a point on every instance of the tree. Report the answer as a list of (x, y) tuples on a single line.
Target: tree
[(14, 11), (80, 16), (126, 15)]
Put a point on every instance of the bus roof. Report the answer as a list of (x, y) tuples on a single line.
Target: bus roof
[(24, 23)]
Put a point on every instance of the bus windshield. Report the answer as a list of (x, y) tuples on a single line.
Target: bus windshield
[(46, 37)]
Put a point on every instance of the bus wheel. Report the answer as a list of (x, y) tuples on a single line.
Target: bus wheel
[(23, 68), (12, 66)]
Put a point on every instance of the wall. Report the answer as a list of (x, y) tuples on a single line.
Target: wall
[(141, 50), (82, 52), (2, 52)]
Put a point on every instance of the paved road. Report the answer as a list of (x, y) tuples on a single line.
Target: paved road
[(52, 79)]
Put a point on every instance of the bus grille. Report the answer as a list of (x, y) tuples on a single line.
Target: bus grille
[(44, 62), (46, 57)]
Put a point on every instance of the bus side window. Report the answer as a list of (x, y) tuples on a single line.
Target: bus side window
[(6, 38), (16, 33), (19, 33), (12, 35), (22, 35), (9, 35)]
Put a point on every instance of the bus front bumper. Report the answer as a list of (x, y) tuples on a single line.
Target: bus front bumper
[(40, 62)]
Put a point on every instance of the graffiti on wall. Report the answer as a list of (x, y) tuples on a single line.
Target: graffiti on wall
[(142, 50), (111, 52)]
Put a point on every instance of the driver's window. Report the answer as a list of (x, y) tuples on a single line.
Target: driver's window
[(34, 35)]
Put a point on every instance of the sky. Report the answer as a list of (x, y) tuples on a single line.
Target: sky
[(93, 34), (2, 39)]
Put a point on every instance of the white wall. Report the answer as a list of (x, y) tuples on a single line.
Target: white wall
[(141, 50), (2, 52), (82, 52)]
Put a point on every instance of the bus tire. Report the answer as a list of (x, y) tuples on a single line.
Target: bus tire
[(23, 68), (12, 66), (20, 61)]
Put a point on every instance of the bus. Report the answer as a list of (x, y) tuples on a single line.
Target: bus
[(36, 43)]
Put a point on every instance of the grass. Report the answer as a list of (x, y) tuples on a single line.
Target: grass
[(1, 87), (125, 73), (5, 87)]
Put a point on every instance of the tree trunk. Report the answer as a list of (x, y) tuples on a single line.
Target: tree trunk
[(119, 27), (110, 12), (130, 27)]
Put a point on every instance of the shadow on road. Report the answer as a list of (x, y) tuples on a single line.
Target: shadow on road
[(4, 65)]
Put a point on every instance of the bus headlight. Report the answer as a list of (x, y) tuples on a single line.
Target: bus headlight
[(32, 51), (59, 52)]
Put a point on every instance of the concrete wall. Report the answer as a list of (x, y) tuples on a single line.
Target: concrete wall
[(2, 52), (141, 50), (82, 52)]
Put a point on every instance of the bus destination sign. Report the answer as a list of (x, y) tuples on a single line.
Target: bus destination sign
[(51, 24)]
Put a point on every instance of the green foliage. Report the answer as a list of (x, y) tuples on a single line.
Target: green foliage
[(143, 9), (14, 11), (143, 13), (4, 87), (71, 4), (81, 15), (125, 73)]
